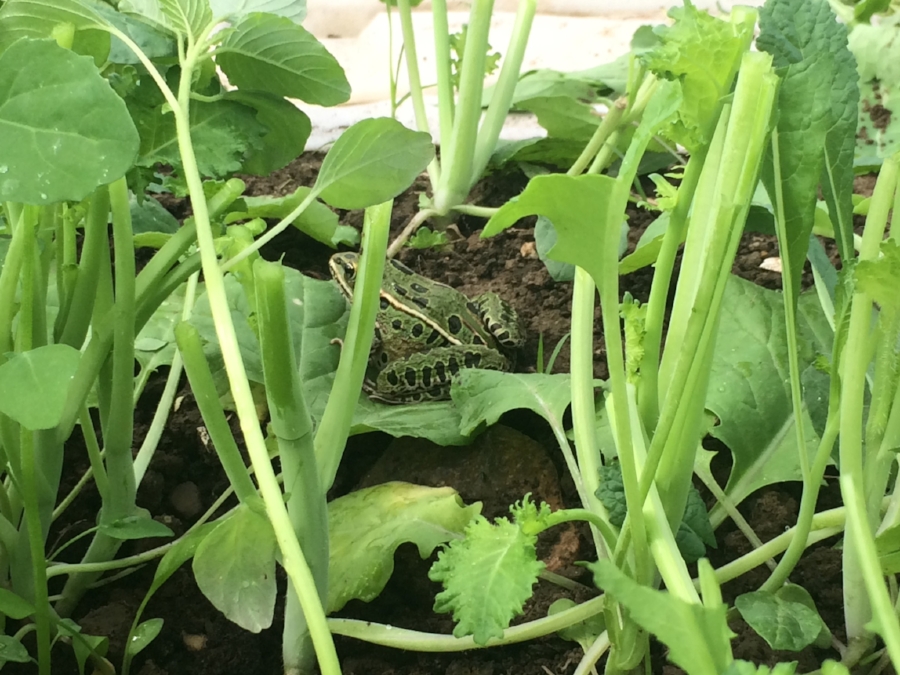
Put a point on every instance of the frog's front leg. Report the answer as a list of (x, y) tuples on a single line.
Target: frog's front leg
[(426, 376), (500, 319)]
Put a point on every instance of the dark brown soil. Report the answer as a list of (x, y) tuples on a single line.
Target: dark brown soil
[(185, 478)]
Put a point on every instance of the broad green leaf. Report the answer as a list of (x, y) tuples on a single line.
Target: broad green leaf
[(487, 577), (544, 241), (695, 532), (235, 568), (318, 221), (223, 134), (366, 527), (273, 54), (151, 216), (372, 162), (180, 552), (182, 17), (577, 207), (14, 606), (139, 526), (295, 10), (703, 53), (563, 116), (12, 651), (38, 18), (288, 130), (880, 278), (47, 156), (697, 636), (648, 246), (805, 42), (748, 668), (143, 635), (437, 421), (154, 43), (783, 623), (749, 385), (34, 385), (482, 396)]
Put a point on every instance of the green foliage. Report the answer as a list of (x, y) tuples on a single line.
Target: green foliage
[(12, 651), (879, 278), (427, 238), (273, 54), (584, 632), (747, 668), (703, 53), (697, 636), (816, 122), (234, 567), (367, 526), (695, 532), (372, 162), (487, 576), (34, 385), (750, 391), (458, 48), (786, 619), (47, 157)]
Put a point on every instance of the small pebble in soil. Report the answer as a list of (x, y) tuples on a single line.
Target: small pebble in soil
[(194, 643), (185, 499)]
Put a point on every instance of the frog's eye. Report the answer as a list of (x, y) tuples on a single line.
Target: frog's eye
[(349, 270)]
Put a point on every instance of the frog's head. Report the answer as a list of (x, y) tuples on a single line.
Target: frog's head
[(343, 268)]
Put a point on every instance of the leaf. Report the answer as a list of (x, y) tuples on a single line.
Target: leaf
[(697, 636), (34, 385), (143, 635), (880, 277), (807, 45), (544, 241), (563, 116), (703, 53), (139, 526), (366, 527), (648, 246), (487, 577), (275, 55), (482, 396), (46, 156), (223, 133), (695, 532), (288, 130), (782, 623), (748, 668), (37, 19), (151, 216), (750, 390), (82, 644), (235, 568), (182, 17), (877, 51), (373, 161), (577, 207), (295, 10), (12, 651), (318, 221), (14, 606)]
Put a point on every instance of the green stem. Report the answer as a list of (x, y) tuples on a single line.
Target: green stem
[(504, 89), (293, 560), (601, 136), (443, 68), (36, 549), (458, 152), (334, 427)]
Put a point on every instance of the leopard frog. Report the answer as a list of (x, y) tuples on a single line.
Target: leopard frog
[(425, 332)]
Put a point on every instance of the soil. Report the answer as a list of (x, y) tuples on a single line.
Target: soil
[(517, 456)]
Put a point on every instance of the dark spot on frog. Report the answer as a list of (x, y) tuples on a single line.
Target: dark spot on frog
[(473, 307), (392, 379), (399, 290), (494, 327), (410, 376), (401, 267), (472, 360), (439, 371), (418, 288), (454, 324), (426, 377), (396, 324), (453, 365), (421, 302), (384, 304), (417, 330), (504, 336), (433, 337), (476, 340)]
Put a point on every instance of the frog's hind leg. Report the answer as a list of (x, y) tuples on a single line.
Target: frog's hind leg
[(500, 319), (427, 375)]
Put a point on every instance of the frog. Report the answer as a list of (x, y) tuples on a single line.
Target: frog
[(426, 332)]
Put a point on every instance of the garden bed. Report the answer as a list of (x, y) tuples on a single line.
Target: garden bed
[(185, 478)]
